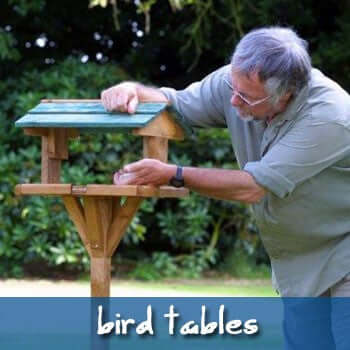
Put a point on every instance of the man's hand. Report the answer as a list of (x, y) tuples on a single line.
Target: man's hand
[(126, 96), (236, 185), (146, 172), (122, 97)]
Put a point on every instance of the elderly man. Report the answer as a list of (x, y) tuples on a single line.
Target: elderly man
[(290, 129)]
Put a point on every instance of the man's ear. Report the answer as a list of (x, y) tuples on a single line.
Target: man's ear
[(284, 101), (286, 97)]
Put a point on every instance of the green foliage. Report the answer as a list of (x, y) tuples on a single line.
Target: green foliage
[(7, 49), (182, 235), (200, 25), (164, 42), (160, 41), (240, 264), (163, 265), (24, 7), (36, 228)]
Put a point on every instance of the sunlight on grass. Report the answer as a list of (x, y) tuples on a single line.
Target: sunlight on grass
[(249, 288)]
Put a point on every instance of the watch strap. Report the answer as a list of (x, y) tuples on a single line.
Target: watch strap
[(177, 180), (179, 175)]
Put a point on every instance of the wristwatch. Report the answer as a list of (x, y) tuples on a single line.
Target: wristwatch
[(177, 180)]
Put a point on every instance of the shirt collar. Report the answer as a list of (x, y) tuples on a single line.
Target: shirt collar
[(294, 106)]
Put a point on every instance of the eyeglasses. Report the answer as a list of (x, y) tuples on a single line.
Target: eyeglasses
[(244, 99)]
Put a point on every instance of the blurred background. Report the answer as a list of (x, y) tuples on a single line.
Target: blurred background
[(75, 49)]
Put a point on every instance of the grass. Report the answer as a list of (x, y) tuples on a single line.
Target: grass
[(222, 287), (237, 287)]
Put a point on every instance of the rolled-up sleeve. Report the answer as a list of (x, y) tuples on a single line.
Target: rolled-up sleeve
[(202, 103), (311, 146)]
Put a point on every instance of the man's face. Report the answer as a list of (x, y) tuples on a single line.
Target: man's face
[(250, 98)]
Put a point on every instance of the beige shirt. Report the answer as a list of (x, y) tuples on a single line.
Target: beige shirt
[(302, 157)]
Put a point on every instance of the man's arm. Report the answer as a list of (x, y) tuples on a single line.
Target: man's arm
[(202, 104), (126, 96), (216, 183), (225, 184)]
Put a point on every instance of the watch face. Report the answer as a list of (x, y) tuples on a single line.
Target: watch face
[(176, 182)]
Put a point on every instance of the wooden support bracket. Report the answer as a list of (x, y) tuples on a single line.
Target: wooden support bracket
[(101, 224), (121, 220), (77, 215)]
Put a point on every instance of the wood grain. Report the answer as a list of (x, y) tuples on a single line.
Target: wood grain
[(100, 272), (163, 125), (101, 191), (155, 147), (50, 168), (58, 143), (76, 214), (43, 189), (95, 229), (121, 221)]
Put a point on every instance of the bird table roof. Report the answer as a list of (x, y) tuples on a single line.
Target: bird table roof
[(92, 116)]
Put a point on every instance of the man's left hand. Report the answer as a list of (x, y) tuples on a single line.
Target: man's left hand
[(149, 172)]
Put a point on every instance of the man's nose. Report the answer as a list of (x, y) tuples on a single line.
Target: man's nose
[(236, 101)]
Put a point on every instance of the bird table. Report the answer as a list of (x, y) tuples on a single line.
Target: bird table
[(100, 217)]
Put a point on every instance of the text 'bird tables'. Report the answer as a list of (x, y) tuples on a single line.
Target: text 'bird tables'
[(96, 210)]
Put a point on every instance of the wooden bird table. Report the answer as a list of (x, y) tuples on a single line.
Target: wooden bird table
[(96, 210)]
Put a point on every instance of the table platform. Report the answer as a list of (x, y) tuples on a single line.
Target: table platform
[(101, 190)]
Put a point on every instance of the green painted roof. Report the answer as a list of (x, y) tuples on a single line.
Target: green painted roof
[(90, 115)]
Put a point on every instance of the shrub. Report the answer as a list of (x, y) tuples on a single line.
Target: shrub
[(183, 236)]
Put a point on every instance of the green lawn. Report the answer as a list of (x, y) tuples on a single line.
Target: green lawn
[(212, 287), (132, 288)]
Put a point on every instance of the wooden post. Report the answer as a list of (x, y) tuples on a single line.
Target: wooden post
[(54, 148), (50, 168), (155, 147), (98, 215), (58, 143), (100, 272)]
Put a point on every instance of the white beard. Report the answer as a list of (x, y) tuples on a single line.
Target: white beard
[(245, 117)]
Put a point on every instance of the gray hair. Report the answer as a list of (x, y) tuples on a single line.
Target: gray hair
[(278, 55)]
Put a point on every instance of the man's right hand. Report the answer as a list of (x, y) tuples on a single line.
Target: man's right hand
[(123, 97), (126, 96)]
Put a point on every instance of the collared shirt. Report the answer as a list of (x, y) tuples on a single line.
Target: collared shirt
[(302, 158)]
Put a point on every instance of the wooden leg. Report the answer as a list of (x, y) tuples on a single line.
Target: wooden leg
[(54, 148), (100, 271), (50, 168), (155, 147), (98, 214), (58, 143)]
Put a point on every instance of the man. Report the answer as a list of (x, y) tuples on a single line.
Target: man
[(290, 129)]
